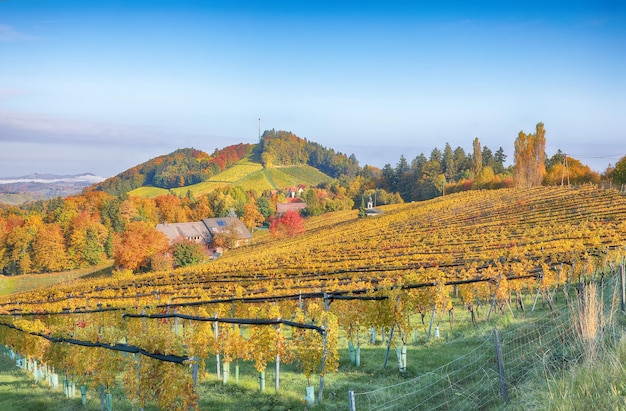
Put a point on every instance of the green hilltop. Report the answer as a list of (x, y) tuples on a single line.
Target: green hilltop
[(280, 160), (248, 175)]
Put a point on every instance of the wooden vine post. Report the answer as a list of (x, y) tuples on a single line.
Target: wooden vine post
[(622, 293), (320, 393), (217, 354), (500, 359), (277, 380)]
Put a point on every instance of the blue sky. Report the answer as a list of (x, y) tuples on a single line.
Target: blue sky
[(102, 86)]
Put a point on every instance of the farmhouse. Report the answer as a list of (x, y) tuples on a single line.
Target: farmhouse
[(203, 232)]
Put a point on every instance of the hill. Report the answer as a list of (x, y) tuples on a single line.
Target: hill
[(248, 175), (279, 160), (180, 168), (33, 187)]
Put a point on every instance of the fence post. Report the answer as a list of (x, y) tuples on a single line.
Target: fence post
[(388, 346), (503, 390), (351, 400), (493, 302), (430, 326), (320, 393), (622, 292)]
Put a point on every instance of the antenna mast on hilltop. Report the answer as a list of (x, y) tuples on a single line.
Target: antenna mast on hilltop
[(259, 128)]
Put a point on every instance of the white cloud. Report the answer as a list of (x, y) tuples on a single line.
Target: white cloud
[(21, 127)]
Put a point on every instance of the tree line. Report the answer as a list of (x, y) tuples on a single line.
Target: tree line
[(449, 171)]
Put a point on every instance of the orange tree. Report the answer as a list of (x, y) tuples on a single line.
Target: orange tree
[(134, 246)]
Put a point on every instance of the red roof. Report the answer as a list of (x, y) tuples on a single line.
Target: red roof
[(282, 208)]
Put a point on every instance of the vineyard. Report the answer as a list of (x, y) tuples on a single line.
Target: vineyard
[(301, 300), (247, 175)]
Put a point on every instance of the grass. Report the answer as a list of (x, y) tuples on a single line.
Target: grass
[(149, 192), (237, 172), (306, 173), (247, 174), (18, 391), (27, 282)]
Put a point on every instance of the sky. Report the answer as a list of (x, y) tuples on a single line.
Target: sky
[(100, 87)]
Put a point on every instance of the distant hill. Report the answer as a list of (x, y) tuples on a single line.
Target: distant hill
[(281, 159), (33, 187), (249, 176), (180, 168)]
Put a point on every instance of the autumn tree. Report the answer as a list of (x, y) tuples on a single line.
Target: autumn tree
[(566, 170), (201, 208), (87, 239), (134, 247), (49, 251), (19, 245), (170, 209), (252, 218), (530, 157), (227, 237), (289, 224)]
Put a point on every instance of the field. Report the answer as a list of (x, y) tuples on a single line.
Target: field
[(22, 283), (248, 175), (459, 264)]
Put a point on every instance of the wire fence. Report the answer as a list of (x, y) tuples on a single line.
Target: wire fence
[(480, 379)]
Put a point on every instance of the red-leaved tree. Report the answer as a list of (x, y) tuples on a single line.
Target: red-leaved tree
[(289, 224)]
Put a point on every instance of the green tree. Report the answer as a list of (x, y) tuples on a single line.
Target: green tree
[(478, 156), (313, 205), (498, 161), (449, 163), (619, 172), (265, 207), (187, 252)]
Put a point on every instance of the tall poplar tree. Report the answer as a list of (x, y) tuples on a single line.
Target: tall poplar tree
[(478, 156), (530, 158)]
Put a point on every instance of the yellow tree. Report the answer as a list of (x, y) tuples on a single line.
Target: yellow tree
[(251, 216), (146, 209), (86, 241), (530, 158), (19, 242), (49, 252)]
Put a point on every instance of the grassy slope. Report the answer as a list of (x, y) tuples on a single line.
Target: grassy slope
[(21, 283), (248, 175)]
